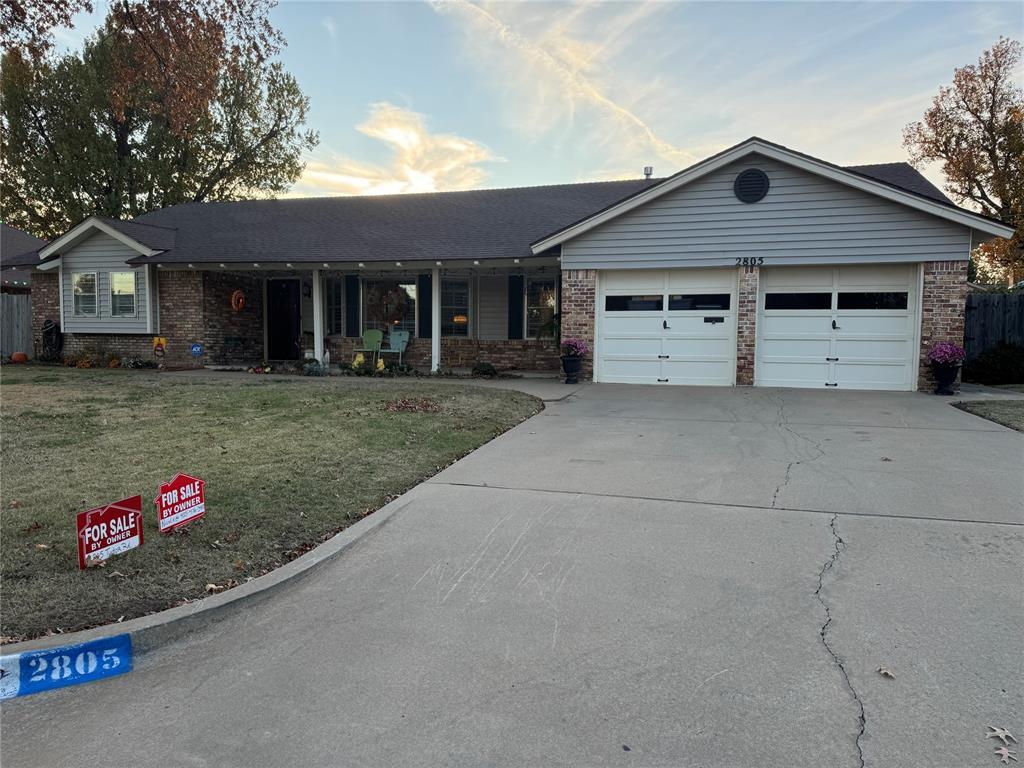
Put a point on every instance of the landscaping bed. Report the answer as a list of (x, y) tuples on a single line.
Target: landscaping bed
[(1009, 413), (286, 464)]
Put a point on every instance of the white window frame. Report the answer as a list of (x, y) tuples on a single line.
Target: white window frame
[(96, 294), (402, 278), (135, 293), (469, 307), (526, 299)]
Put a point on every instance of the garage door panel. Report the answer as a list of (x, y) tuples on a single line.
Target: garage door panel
[(793, 373), (715, 347), (697, 371), (870, 375), (881, 350), (625, 370), (796, 348), (876, 325), (632, 347), (632, 323), (797, 324)]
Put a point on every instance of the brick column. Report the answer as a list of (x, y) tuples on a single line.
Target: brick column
[(579, 296), (943, 300), (746, 324), (45, 306), (181, 315)]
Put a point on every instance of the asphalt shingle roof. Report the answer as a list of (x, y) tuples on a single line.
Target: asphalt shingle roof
[(18, 248), (904, 176)]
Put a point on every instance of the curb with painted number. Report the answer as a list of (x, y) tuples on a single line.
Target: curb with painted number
[(22, 674)]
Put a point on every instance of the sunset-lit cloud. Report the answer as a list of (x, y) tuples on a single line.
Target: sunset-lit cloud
[(421, 161)]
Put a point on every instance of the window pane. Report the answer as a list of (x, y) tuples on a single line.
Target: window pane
[(879, 300), (84, 288), (633, 303), (798, 301), (540, 305), (698, 301), (122, 293), (454, 307), (389, 304)]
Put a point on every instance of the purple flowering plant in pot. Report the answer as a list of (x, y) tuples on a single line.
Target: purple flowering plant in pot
[(945, 358), (573, 352)]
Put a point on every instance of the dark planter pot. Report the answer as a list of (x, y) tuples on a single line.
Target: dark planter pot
[(572, 365), (945, 375)]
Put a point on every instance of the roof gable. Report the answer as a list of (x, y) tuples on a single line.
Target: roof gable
[(145, 239), (860, 179)]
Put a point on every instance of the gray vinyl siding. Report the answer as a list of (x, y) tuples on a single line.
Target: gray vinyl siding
[(492, 307), (102, 254), (804, 219)]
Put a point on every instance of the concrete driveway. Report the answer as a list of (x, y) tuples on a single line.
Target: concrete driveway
[(636, 577)]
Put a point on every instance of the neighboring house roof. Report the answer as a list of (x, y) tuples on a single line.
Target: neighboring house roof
[(884, 181), (478, 224), (18, 248)]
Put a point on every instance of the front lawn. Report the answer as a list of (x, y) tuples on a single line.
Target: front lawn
[(286, 464), (1009, 413)]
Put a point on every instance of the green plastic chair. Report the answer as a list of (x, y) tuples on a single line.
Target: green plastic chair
[(397, 342), (371, 343)]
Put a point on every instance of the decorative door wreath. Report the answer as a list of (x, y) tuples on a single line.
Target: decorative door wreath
[(237, 301), (386, 303)]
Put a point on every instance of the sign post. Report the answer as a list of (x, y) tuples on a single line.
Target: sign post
[(179, 502), (109, 530)]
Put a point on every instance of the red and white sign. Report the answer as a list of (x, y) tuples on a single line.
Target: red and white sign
[(109, 530), (179, 502)]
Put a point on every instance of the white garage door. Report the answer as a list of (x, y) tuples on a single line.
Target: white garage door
[(667, 327), (848, 327)]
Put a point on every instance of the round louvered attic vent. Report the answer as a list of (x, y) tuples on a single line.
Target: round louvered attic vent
[(751, 185)]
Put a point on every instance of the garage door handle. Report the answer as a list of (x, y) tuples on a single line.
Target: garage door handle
[(663, 357), (664, 324), (832, 359), (834, 326)]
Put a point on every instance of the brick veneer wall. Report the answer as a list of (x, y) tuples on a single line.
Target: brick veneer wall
[(524, 355), (45, 306), (230, 336), (746, 324), (943, 301), (579, 297)]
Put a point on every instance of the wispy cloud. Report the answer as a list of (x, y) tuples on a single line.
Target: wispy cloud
[(327, 22), (554, 63), (421, 161)]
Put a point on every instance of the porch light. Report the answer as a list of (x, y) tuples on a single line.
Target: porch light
[(288, 264), (437, 263), (190, 266), (361, 265), (476, 263), (460, 319), (326, 265), (515, 261), (398, 263), (222, 266), (255, 264)]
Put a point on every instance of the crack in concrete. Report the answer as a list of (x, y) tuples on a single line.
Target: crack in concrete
[(840, 546), (782, 422)]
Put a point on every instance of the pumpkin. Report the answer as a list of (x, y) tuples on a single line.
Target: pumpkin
[(19, 357)]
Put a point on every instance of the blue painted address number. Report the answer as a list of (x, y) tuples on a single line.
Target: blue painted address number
[(22, 674)]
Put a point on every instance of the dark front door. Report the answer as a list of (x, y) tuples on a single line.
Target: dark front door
[(284, 320)]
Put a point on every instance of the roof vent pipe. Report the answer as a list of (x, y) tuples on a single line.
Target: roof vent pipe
[(648, 171)]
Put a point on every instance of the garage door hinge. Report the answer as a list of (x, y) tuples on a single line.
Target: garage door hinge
[(831, 385), (663, 357), (664, 381), (832, 359)]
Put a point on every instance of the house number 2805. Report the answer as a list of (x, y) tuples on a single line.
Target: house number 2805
[(749, 261)]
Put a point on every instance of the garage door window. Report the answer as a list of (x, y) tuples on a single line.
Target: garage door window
[(798, 301), (633, 303), (875, 300), (698, 301)]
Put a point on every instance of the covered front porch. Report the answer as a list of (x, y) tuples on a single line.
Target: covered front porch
[(501, 312)]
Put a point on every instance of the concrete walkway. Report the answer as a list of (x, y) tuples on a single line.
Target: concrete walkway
[(635, 577)]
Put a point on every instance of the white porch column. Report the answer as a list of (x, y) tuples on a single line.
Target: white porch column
[(318, 317), (435, 320)]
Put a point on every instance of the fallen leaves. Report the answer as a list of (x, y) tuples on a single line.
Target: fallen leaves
[(1005, 755), (42, 546), (886, 672), (1000, 733), (214, 589), (412, 405)]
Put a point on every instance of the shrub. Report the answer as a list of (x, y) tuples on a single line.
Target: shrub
[(485, 370), (1002, 364), (137, 362), (313, 368)]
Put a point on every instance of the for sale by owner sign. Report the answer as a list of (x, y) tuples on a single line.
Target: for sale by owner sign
[(179, 502), (109, 530)]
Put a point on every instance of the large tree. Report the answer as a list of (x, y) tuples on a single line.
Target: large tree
[(975, 128), (167, 103)]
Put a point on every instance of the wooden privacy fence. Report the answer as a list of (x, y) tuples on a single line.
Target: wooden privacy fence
[(993, 318), (15, 323)]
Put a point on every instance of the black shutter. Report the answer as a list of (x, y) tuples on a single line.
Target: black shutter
[(515, 306), (351, 305), (424, 297)]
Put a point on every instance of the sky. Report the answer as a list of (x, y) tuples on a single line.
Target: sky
[(452, 94)]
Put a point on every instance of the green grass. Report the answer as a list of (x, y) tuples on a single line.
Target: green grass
[(286, 464), (1009, 413)]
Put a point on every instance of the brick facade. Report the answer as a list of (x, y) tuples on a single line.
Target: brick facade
[(746, 324), (45, 306), (943, 299), (579, 303), (232, 337)]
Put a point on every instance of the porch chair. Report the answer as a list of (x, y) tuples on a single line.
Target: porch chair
[(371, 343), (397, 342)]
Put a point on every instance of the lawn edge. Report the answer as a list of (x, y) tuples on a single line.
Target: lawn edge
[(163, 627)]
